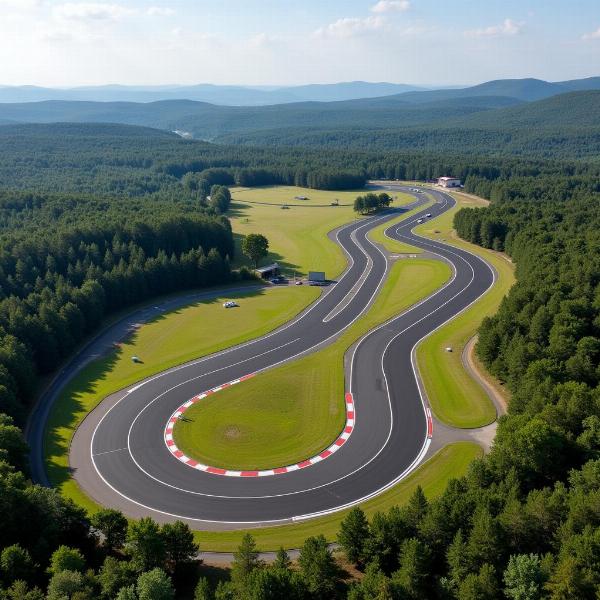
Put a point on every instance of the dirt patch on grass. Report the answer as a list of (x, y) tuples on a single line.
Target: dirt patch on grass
[(232, 432)]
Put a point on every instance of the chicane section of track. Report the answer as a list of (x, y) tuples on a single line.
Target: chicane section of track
[(390, 434)]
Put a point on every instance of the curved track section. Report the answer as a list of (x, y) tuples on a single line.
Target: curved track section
[(119, 456), (280, 470)]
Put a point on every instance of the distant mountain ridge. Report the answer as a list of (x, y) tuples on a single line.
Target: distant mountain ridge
[(526, 90), (226, 95)]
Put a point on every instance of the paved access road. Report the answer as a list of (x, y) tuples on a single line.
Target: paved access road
[(119, 456)]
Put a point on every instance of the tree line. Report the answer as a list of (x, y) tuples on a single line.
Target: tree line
[(107, 162)]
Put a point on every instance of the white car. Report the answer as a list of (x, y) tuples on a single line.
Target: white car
[(419, 220), (230, 304), (428, 215)]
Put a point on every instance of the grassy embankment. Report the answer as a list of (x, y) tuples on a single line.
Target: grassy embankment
[(456, 399), (451, 461)]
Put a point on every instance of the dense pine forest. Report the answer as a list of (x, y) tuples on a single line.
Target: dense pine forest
[(556, 142), (100, 217)]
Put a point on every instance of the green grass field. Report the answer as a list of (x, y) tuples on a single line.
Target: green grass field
[(456, 399), (294, 411), (298, 236), (450, 462), (196, 330)]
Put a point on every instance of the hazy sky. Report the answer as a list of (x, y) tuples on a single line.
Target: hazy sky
[(68, 43)]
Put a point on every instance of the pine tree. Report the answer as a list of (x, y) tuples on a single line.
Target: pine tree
[(282, 560), (353, 534), (245, 560)]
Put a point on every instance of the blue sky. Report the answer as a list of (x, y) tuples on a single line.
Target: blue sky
[(271, 42)]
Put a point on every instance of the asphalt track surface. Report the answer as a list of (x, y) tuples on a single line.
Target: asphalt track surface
[(121, 459)]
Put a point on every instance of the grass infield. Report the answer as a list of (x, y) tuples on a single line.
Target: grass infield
[(377, 234), (297, 236)]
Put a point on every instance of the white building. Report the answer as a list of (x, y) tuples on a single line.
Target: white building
[(449, 182)]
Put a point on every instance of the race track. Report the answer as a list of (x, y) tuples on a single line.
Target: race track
[(120, 458)]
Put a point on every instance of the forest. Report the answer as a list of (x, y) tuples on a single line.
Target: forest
[(523, 524), (557, 142), (109, 161)]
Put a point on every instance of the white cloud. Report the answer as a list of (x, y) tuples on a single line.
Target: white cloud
[(507, 28), (260, 40), (384, 6), (594, 35), (56, 36), (19, 4), (159, 11), (350, 27), (92, 11)]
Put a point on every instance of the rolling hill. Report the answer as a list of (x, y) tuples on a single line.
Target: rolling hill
[(565, 126), (526, 90), (489, 123), (207, 121), (573, 109)]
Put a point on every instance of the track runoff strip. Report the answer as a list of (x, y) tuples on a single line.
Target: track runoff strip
[(190, 462)]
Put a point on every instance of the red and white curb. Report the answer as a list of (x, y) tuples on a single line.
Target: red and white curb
[(429, 423), (190, 462)]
